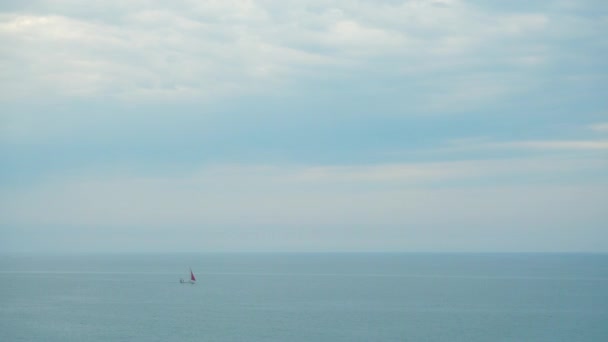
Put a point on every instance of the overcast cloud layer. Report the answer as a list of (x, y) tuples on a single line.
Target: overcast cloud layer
[(421, 125)]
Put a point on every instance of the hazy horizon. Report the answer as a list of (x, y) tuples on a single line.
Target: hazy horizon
[(57, 253), (306, 126)]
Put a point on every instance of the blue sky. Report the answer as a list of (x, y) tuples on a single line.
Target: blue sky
[(422, 125)]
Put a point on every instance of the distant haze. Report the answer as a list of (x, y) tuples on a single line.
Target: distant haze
[(201, 126)]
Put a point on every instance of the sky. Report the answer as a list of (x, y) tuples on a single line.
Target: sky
[(304, 126)]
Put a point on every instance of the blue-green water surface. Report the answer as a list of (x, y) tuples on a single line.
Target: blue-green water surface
[(305, 297)]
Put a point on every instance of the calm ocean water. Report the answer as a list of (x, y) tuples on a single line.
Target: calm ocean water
[(305, 297)]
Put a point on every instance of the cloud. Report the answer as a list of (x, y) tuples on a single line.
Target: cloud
[(600, 127), (440, 172), (263, 194), (415, 57), (433, 56), (282, 114), (168, 60), (558, 145), (485, 143), (210, 49), (264, 207)]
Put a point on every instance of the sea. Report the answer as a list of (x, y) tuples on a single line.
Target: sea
[(304, 297)]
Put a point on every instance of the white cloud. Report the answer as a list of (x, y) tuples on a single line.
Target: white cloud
[(521, 24), (556, 145), (437, 172), (600, 127), (213, 48), (285, 207), (350, 33), (172, 59), (443, 56), (485, 143), (455, 54), (265, 194)]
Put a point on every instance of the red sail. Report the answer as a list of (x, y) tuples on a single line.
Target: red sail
[(192, 276)]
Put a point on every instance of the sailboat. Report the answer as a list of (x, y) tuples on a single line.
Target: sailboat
[(191, 281)]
